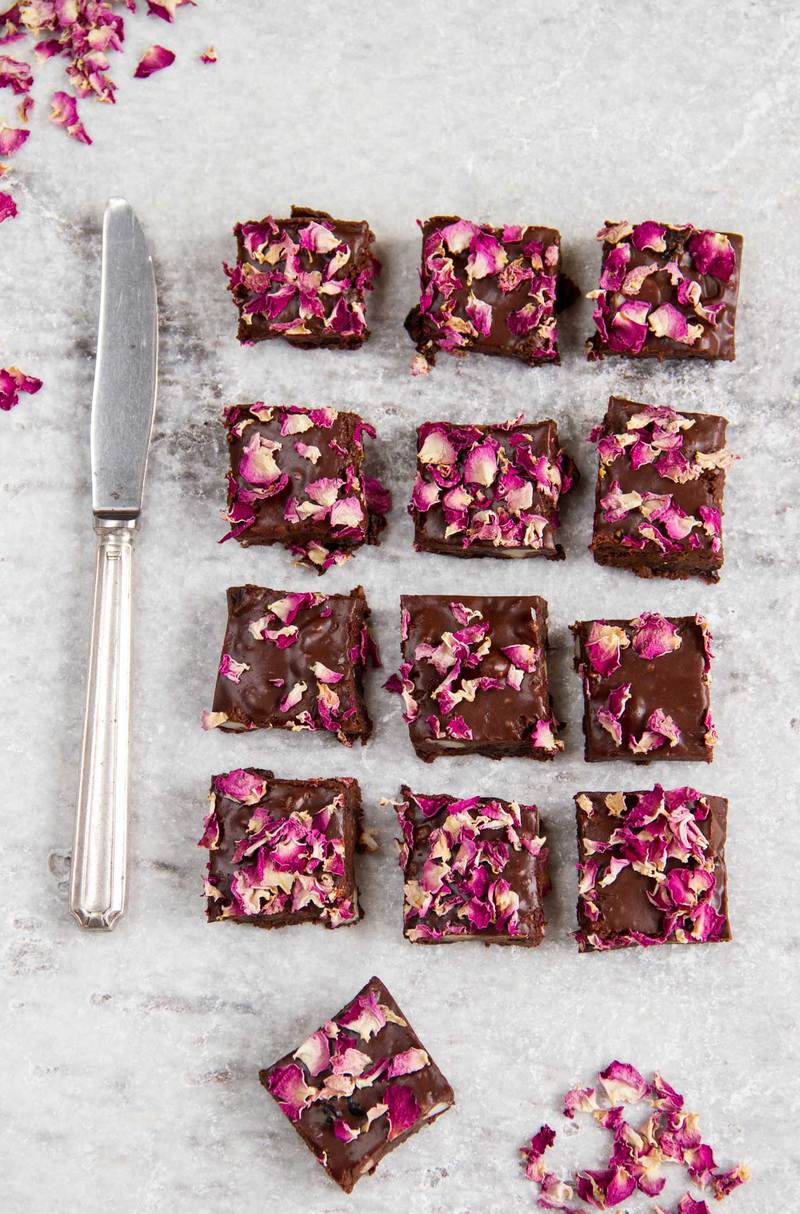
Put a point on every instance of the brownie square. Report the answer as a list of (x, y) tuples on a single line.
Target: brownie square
[(490, 490), (666, 291), (651, 868), (660, 484), (473, 869), (303, 279), (359, 1086), (281, 851), (294, 661), (296, 479), (646, 688), (474, 676), (487, 289)]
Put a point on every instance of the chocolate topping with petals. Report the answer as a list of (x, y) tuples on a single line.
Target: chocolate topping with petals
[(294, 661), (651, 868), (281, 851), (666, 291), (646, 688), (474, 676), (669, 1134), (490, 490), (487, 289), (359, 1086), (474, 869), (296, 479), (303, 279), (660, 484)]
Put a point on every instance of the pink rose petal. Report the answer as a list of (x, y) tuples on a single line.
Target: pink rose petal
[(155, 59)]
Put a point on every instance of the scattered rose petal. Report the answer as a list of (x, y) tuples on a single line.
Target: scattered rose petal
[(12, 380), (8, 208), (64, 112), (12, 139), (155, 59)]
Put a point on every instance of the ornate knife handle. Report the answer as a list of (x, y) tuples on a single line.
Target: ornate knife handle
[(99, 854)]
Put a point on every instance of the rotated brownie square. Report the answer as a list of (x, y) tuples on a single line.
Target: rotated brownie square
[(359, 1086), (296, 478)]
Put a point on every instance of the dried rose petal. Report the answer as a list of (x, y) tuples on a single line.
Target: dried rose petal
[(241, 785), (165, 9), (623, 1084), (231, 669), (8, 208), (605, 1188), (64, 112), (603, 645), (291, 1091), (712, 253), (155, 59), (407, 1062), (315, 1053), (15, 74), (403, 1109), (724, 1183), (628, 330), (12, 139), (12, 380), (649, 235), (654, 636), (209, 55), (669, 321), (534, 1153), (212, 720)]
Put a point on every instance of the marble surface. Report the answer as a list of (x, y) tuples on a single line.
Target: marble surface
[(131, 1059)]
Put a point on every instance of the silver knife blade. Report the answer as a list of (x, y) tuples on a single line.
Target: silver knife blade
[(124, 397)]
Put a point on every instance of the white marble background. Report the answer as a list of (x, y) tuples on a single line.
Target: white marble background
[(129, 1080)]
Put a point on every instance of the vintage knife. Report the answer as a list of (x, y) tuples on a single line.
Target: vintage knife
[(123, 406)]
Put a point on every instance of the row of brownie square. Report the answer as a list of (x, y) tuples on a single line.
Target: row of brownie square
[(666, 291), (297, 478), (651, 864), (473, 679)]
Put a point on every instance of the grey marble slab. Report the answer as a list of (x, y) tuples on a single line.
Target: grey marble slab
[(129, 1081)]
